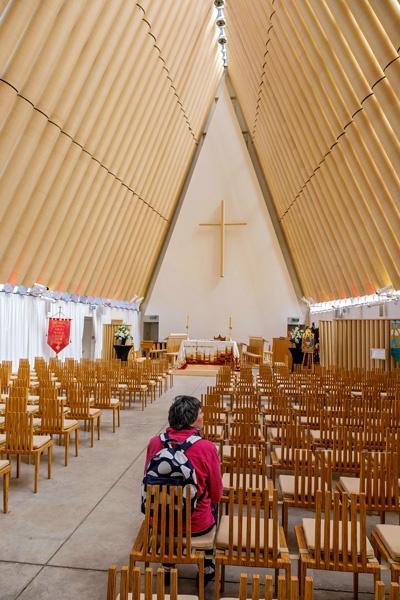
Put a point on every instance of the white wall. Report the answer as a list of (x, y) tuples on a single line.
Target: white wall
[(256, 290)]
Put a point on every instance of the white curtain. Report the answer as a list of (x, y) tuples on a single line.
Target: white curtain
[(24, 325)]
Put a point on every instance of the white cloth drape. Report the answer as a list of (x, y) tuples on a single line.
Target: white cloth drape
[(24, 324)]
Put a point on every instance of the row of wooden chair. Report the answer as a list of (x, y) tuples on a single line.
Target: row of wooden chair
[(248, 587)]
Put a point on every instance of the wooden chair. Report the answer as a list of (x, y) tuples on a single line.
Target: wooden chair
[(173, 344), (165, 535), (53, 422), (21, 440), (243, 434), (292, 437), (311, 473), (215, 427), (80, 408), (339, 543), (385, 539), (346, 451), (378, 480), (104, 401), (136, 387), (283, 593), (135, 584), (394, 591), (248, 537), (245, 469), (5, 470), (254, 353)]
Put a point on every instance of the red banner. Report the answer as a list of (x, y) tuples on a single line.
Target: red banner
[(58, 333)]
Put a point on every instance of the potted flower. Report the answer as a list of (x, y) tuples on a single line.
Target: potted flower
[(123, 333), (296, 336)]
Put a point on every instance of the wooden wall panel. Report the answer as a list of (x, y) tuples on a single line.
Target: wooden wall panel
[(348, 343)]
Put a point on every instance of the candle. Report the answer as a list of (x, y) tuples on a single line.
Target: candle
[(230, 322), (188, 321)]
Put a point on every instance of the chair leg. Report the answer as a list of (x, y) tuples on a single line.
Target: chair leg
[(37, 465), (98, 427), (66, 444), (201, 579), (76, 441), (49, 461), (355, 586), (6, 485), (217, 582)]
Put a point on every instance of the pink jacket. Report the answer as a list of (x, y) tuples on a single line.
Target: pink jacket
[(204, 457)]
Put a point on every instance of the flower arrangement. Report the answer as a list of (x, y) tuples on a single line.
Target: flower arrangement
[(296, 335), (123, 332)]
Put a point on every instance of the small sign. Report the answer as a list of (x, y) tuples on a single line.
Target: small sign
[(379, 353)]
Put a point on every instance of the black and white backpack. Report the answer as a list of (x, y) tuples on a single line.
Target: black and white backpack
[(171, 467)]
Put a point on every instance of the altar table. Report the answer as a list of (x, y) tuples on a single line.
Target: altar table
[(207, 352)]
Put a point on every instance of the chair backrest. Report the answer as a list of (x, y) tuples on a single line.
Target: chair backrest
[(19, 433), (246, 398), (394, 591), (133, 581), (340, 531), (16, 404), (246, 467), (245, 433), (167, 532), (312, 472), (282, 592), (18, 391), (102, 394), (253, 528), (379, 477), (174, 341), (346, 450), (52, 415), (78, 401)]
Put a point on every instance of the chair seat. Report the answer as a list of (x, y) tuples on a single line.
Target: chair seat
[(250, 481), (287, 482), (205, 541), (223, 535), (309, 534), (155, 597), (70, 423), (40, 440), (390, 536), (226, 451), (94, 411), (4, 464)]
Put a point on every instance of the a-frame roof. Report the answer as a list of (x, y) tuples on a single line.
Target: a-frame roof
[(103, 105)]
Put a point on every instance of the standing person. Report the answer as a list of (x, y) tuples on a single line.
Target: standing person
[(185, 418)]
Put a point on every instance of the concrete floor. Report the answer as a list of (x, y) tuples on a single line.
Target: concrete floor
[(58, 543)]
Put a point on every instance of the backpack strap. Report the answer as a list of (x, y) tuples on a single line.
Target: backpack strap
[(190, 441)]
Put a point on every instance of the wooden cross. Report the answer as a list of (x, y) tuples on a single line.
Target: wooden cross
[(222, 225)]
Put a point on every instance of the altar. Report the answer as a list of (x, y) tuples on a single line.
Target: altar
[(207, 352)]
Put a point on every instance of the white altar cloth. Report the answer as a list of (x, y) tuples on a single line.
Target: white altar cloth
[(207, 352)]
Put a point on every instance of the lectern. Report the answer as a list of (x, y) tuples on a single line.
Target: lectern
[(122, 351)]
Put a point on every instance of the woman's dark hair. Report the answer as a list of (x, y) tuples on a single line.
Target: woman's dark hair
[(183, 411)]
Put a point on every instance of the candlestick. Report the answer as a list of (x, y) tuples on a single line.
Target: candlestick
[(230, 322), (188, 321)]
